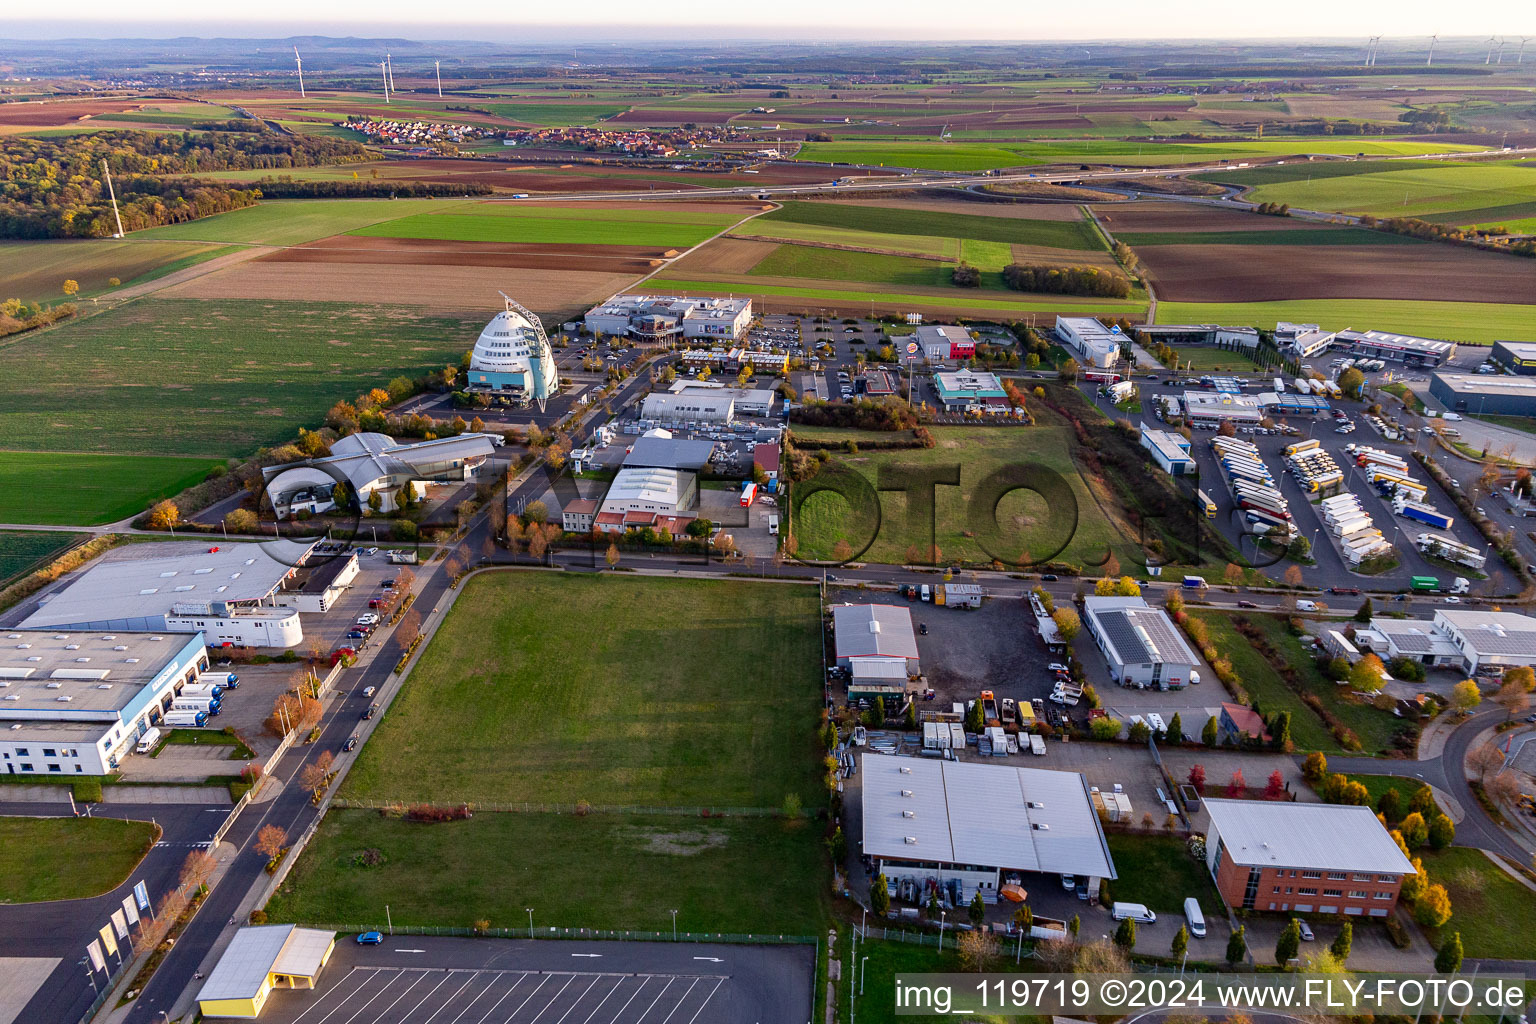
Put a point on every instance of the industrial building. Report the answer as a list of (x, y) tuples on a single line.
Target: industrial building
[(765, 457), (669, 318), (968, 822), (1245, 338), (747, 401), (1090, 342), (1169, 450), (1302, 341), (1515, 356), (658, 484), (512, 358), (75, 702), (1479, 393), (964, 390), (240, 595), (259, 959), (1141, 644), (1401, 348), (694, 406), (367, 463), (945, 343), (1464, 640), (873, 631), (1275, 855), (1210, 408)]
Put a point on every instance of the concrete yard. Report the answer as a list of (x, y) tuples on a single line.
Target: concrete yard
[(414, 979)]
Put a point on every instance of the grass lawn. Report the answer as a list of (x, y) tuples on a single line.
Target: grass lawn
[(1204, 359), (1159, 872), (23, 550), (887, 959), (844, 265), (36, 271), (67, 489), (294, 221), (247, 373), (599, 871), (1055, 234), (1495, 914), (69, 858), (660, 228), (1377, 786), (826, 518), (1521, 423), (614, 691), (1264, 684), (1478, 323), (208, 738)]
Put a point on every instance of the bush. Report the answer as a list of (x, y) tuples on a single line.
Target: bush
[(434, 813), (1396, 932), (87, 791), (1090, 281), (238, 788)]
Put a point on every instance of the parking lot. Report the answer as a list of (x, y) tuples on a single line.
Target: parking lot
[(413, 980)]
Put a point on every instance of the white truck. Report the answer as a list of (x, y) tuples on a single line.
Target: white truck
[(1037, 744)]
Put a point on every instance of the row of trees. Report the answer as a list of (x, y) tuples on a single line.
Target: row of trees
[(1429, 230), (1091, 281)]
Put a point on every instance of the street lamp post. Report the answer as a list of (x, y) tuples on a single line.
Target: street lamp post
[(674, 926), (530, 921), (942, 915)]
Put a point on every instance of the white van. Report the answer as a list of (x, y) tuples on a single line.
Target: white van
[(1306, 606), (1194, 918), (927, 594), (147, 741), (1133, 911), (773, 525)]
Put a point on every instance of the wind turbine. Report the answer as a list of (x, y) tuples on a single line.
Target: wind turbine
[(1370, 50), (1520, 57), (1500, 58), (1489, 59), (385, 73), (439, 66), (389, 72), (297, 60), (1430, 60), (1375, 51)]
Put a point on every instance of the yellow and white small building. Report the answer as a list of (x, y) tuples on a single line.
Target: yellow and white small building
[(260, 959)]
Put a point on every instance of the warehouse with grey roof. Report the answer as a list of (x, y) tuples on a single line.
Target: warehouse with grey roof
[(1143, 647)]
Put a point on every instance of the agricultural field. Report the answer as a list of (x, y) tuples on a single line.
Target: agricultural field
[(293, 221), (1477, 323), (1457, 193), (845, 265), (645, 692), (781, 296), (686, 694), (24, 550), (247, 373), (658, 226), (826, 519), (69, 858), (36, 271), (70, 489), (977, 222)]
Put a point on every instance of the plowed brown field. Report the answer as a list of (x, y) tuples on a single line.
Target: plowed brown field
[(60, 112), (354, 249), (1248, 273)]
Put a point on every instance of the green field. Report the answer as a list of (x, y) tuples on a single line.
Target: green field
[(295, 221), (1054, 234), (847, 265), (1305, 170), (23, 550), (555, 113), (36, 271), (69, 858), (950, 156), (1158, 872), (69, 489), (953, 298), (1207, 359), (595, 225), (1478, 323), (1495, 914), (755, 875), (1411, 193), (183, 118), (209, 377), (1028, 523), (614, 691), (1264, 684), (1298, 236)]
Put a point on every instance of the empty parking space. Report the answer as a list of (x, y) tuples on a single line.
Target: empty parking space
[(410, 995)]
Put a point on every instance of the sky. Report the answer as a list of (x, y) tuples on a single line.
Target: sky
[(871, 20)]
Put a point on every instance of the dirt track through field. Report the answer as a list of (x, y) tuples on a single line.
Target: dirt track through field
[(1246, 273)]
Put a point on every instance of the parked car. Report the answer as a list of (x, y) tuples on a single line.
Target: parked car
[(387, 583), (1247, 604), (1069, 882), (1057, 666), (369, 691), (370, 939), (351, 744), (1306, 930), (922, 628), (367, 619), (356, 634), (1050, 577)]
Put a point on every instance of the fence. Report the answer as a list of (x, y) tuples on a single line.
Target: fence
[(579, 810), (587, 934)]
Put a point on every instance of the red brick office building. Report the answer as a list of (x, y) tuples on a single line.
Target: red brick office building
[(1303, 858)]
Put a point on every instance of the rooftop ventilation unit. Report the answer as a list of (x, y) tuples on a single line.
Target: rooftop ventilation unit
[(911, 840), (1041, 826), (906, 770), (909, 814)]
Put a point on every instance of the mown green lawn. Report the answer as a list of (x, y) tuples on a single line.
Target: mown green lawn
[(69, 489), (1495, 914), (750, 875), (1478, 323), (22, 550), (1158, 872), (1264, 684), (1055, 234), (295, 221), (610, 690), (209, 377), (69, 858)]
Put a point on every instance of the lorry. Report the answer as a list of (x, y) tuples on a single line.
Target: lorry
[(1425, 514), (185, 719), (147, 741), (1425, 583), (227, 680), (989, 709), (1302, 446), (748, 494), (1461, 585), (1194, 583), (207, 705), (203, 689)]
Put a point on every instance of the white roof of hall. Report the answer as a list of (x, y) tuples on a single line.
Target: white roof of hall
[(1328, 837), (365, 457), (860, 630), (962, 812), (148, 585), (255, 952)]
